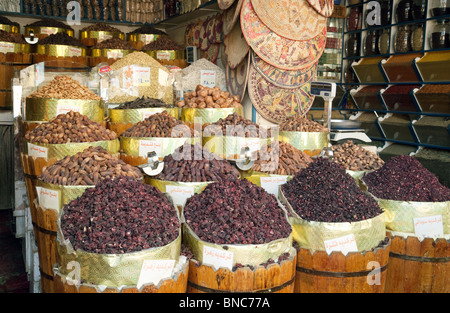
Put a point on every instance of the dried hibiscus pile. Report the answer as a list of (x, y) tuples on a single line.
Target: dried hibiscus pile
[(403, 178), (324, 192), (119, 216), (236, 212)]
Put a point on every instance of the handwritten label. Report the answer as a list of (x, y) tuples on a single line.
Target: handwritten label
[(147, 38), (218, 258), (344, 244), (114, 54), (103, 36), (74, 52), (163, 55), (208, 78), (179, 194), (64, 108), (6, 47), (146, 146), (37, 151), (48, 31), (48, 198), (429, 226), (153, 271), (271, 184), (253, 144)]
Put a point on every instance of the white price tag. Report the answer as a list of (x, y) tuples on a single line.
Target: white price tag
[(114, 54), (179, 194), (218, 258), (103, 36), (48, 198), (64, 108), (344, 244), (37, 151), (146, 38), (208, 78), (163, 55), (74, 52), (271, 184), (253, 144), (48, 31), (6, 47), (141, 76), (153, 271), (429, 226), (146, 146)]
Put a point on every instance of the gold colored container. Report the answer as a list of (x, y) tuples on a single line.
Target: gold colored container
[(140, 40), (92, 37), (110, 53), (61, 50), (44, 31), (12, 47), (208, 115), (44, 109), (9, 28), (229, 147), (311, 143)]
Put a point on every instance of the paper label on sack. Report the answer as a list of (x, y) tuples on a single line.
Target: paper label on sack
[(146, 146), (163, 55), (141, 76), (429, 226), (37, 151), (153, 271), (6, 47), (208, 78), (48, 198), (271, 184), (146, 38), (114, 54), (179, 194), (344, 244), (48, 31), (218, 258), (64, 108), (103, 36), (74, 52)]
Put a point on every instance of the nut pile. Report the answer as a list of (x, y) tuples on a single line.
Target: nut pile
[(87, 167), (206, 97), (296, 123), (324, 192), (113, 43), (404, 178), (64, 87), (236, 212), (61, 39), (71, 127), (120, 215), (281, 159), (158, 125), (355, 158), (162, 43), (100, 27), (192, 163), (235, 125), (143, 102)]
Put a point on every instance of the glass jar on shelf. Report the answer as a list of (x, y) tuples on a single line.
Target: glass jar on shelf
[(403, 11), (371, 42), (440, 34), (353, 45), (419, 11), (354, 19), (417, 35), (383, 41), (440, 7), (401, 39)]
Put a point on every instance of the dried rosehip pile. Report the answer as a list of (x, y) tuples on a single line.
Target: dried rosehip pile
[(236, 212), (403, 178), (324, 192), (119, 216)]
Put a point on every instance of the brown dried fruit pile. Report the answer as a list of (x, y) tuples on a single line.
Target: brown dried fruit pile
[(192, 163), (162, 43), (296, 123), (101, 27), (61, 39), (143, 102), (118, 216), (235, 125), (113, 43), (236, 212), (281, 159), (11, 37), (206, 97), (355, 158), (69, 128), (64, 87), (88, 167)]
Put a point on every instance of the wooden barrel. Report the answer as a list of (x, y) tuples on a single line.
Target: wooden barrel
[(418, 266), (177, 284), (275, 278), (319, 272)]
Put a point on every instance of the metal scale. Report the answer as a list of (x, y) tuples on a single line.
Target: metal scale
[(339, 130)]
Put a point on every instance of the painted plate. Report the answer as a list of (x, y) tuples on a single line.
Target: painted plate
[(230, 16), (225, 4), (324, 7), (237, 78), (236, 47)]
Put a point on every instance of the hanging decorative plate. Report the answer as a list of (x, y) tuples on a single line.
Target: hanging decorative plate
[(188, 35), (278, 51), (231, 15), (237, 78), (324, 7), (211, 29), (218, 29), (225, 4), (196, 29), (291, 19), (212, 53), (283, 78), (223, 56), (236, 47), (275, 103), (204, 42)]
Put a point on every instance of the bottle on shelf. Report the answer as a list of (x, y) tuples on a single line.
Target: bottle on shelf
[(401, 40), (440, 7), (371, 42), (383, 41), (417, 35), (419, 9), (403, 11), (353, 45)]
